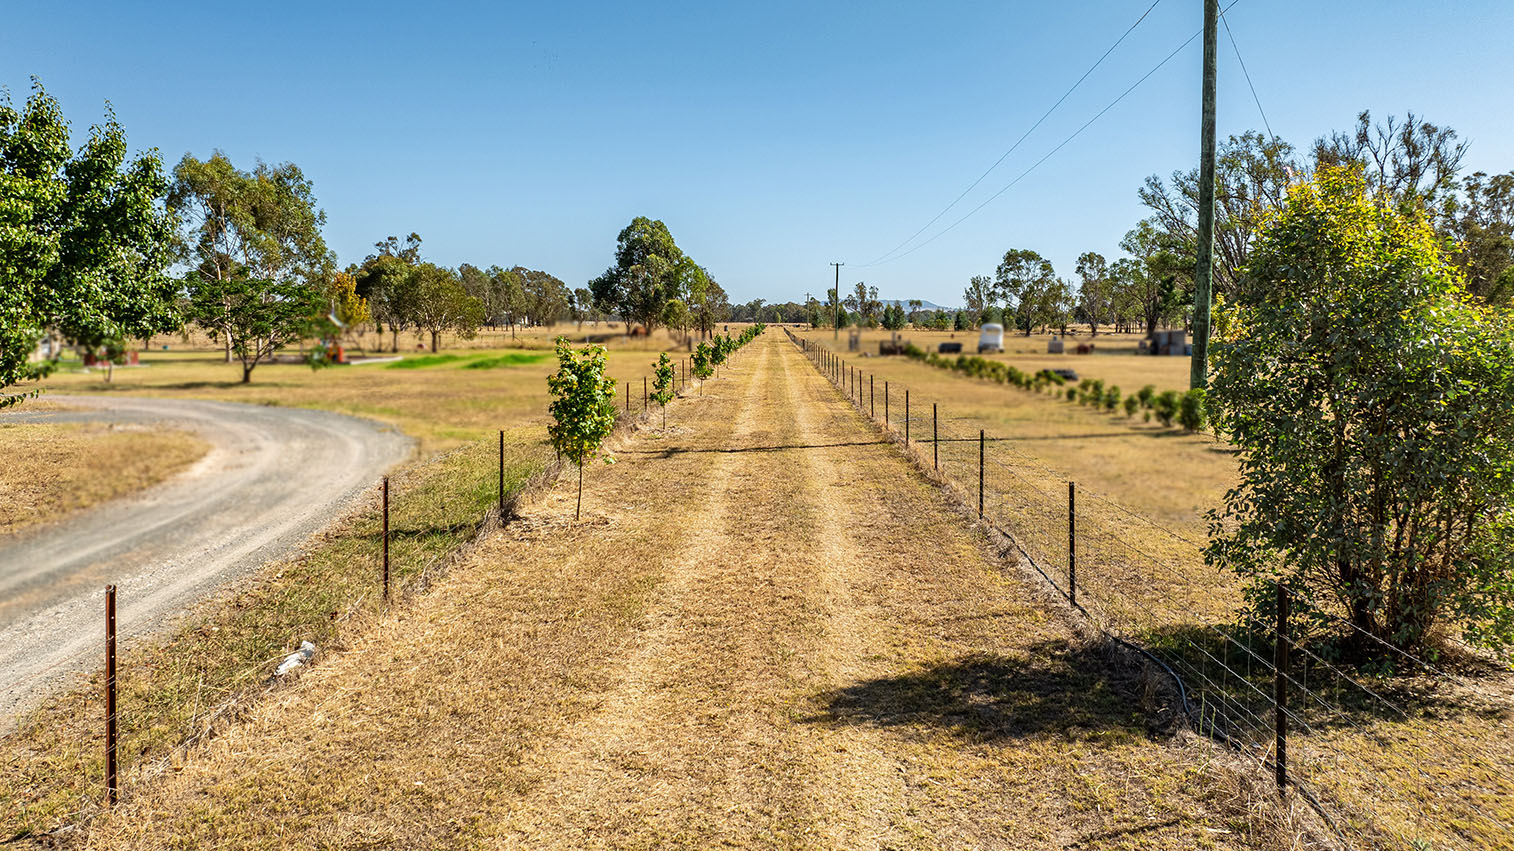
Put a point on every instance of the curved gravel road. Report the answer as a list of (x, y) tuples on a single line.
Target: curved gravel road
[(273, 477)]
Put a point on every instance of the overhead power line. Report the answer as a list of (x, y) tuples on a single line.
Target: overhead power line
[(1018, 142), (1247, 74), (1060, 145)]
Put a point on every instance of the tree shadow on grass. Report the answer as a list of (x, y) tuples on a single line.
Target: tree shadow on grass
[(1052, 689)]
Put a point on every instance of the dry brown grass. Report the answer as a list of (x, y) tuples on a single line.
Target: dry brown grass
[(52, 469), (766, 632), (443, 404), (1431, 761)]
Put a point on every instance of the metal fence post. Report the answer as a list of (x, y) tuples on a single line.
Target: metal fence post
[(110, 694), (643, 394), (1280, 688), (885, 405), (628, 397), (872, 399), (501, 475), (980, 473), (386, 537), (1072, 544), (906, 416), (935, 440)]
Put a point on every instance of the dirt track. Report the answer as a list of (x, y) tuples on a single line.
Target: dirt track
[(766, 632), (274, 476)]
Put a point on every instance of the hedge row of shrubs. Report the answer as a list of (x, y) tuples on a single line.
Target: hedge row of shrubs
[(1187, 409)]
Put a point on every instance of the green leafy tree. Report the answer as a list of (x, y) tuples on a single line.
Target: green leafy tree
[(85, 238), (702, 364), (257, 317), (662, 384), (960, 322), (258, 225), (645, 275), (1132, 404), (893, 317), (1372, 400), (583, 408), (1095, 297), (1024, 278), (434, 301)]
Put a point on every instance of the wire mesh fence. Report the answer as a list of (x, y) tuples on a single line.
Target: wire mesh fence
[(1415, 759), (171, 691)]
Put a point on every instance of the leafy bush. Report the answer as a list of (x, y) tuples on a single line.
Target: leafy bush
[(1111, 399), (1166, 406), (1191, 410), (1147, 395), (583, 407), (1372, 400), (1131, 405)]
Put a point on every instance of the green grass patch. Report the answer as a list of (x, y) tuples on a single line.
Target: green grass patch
[(426, 360), (510, 359)]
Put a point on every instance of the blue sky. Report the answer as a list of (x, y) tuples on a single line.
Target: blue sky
[(772, 138)]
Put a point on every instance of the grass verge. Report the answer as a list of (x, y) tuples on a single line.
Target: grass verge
[(176, 689), (55, 468)]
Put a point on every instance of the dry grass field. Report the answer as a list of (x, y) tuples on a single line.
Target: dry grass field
[(710, 659), (766, 632), (206, 668), (468, 390), (52, 469), (1417, 758)]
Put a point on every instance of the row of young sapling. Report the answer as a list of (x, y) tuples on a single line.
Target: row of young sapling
[(1187, 409), (583, 406)]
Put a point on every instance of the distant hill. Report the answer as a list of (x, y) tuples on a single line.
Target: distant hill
[(924, 305)]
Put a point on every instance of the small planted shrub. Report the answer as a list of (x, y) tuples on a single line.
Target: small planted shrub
[(1132, 404), (1166, 406), (1191, 413), (1111, 399)]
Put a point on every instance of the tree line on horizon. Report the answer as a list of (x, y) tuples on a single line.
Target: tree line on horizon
[(1411, 163)]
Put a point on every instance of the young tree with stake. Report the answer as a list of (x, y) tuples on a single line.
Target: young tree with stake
[(583, 407), (701, 364), (662, 385)]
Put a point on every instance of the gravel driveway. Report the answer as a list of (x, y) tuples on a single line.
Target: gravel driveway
[(273, 477)]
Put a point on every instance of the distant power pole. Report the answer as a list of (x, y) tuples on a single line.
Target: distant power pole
[(1203, 276), (835, 299)]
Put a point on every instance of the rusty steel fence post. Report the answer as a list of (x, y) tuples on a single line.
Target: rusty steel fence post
[(643, 394), (935, 440), (872, 399), (885, 404), (1072, 543), (980, 473), (501, 475), (111, 792), (386, 538), (1280, 689), (906, 417)]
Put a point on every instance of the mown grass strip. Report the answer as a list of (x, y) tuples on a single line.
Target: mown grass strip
[(509, 359), (426, 361)]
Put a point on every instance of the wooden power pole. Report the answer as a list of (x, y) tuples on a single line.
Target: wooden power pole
[(1203, 276), (836, 300)]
